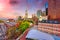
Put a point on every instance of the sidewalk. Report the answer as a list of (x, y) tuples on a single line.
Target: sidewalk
[(24, 35)]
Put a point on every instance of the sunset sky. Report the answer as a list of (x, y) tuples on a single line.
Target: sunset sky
[(14, 8)]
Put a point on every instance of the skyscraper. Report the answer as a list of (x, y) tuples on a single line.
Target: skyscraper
[(26, 14), (39, 12), (54, 9), (46, 11)]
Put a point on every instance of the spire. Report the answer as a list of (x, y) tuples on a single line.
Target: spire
[(26, 14)]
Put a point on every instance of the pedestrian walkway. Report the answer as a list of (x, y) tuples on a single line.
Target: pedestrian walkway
[(23, 37), (38, 35)]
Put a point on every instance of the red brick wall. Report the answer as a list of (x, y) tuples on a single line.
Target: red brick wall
[(50, 28), (54, 9)]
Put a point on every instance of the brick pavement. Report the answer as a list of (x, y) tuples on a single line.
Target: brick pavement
[(24, 35)]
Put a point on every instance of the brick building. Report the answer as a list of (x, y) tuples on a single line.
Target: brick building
[(54, 10)]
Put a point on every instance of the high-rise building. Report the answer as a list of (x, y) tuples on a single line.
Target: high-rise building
[(39, 12), (54, 9), (35, 19), (26, 14), (46, 11)]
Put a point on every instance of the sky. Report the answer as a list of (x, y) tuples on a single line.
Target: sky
[(15, 8)]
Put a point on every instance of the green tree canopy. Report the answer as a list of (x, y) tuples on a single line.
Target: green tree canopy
[(24, 25)]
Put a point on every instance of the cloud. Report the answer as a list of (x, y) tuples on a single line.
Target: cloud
[(20, 6)]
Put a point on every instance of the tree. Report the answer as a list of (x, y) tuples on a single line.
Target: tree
[(19, 18), (1, 21), (24, 25)]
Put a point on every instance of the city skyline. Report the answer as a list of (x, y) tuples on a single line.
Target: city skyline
[(14, 8)]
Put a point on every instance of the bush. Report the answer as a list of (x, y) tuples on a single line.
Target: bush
[(24, 25)]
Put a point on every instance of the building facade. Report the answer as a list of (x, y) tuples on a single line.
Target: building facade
[(46, 11), (54, 10), (26, 14), (39, 12)]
